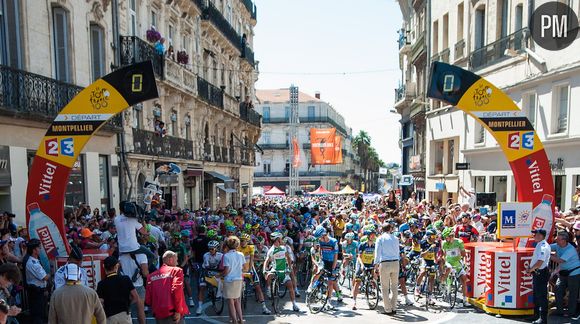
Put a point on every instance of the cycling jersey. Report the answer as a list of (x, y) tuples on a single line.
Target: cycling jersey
[(329, 249), (247, 251), (316, 254), (367, 253), (426, 247), (350, 248), (277, 255), (417, 242), (466, 232), (212, 262), (453, 251), (309, 242)]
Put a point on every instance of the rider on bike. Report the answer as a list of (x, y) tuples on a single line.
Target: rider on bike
[(349, 250), (365, 260), (329, 251), (248, 267), (429, 249), (279, 258), (453, 252), (210, 269)]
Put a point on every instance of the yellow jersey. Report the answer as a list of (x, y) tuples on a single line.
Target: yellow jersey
[(247, 251)]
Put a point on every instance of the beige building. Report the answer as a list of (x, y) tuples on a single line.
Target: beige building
[(51, 49)]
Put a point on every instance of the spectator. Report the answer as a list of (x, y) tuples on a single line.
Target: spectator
[(117, 293), (110, 232), (74, 303), (75, 257), (165, 291), (358, 201), (569, 275), (387, 264), (492, 227), (9, 275), (233, 264), (35, 280), (160, 46)]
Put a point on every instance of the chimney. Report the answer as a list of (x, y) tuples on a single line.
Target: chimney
[(317, 95)]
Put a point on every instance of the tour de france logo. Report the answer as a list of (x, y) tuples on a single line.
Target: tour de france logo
[(481, 95), (524, 216), (99, 98)]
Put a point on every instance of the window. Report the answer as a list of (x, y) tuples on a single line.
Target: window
[(479, 183), (311, 113), (137, 116), (75, 189), (188, 127), (519, 17), (170, 35), (560, 109), (450, 157), (133, 17), (479, 131), (97, 51), (266, 114), (267, 167), (502, 16), (104, 181), (445, 32), (10, 36), (499, 186), (435, 37), (529, 107), (460, 22), (185, 43), (173, 130), (267, 137), (61, 44), (479, 40), (154, 19), (287, 113)]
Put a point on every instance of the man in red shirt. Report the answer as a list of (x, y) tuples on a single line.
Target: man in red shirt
[(164, 292), (465, 231)]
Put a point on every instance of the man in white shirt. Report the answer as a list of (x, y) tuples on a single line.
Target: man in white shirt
[(539, 268), (387, 255)]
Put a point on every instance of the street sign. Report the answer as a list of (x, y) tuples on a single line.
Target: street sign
[(406, 180), (461, 166)]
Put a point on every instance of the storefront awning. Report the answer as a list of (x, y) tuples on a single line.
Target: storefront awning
[(227, 190), (219, 176)]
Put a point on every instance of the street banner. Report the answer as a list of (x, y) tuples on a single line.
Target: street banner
[(322, 145), (65, 139), (514, 133), (515, 219), (337, 150), (296, 153)]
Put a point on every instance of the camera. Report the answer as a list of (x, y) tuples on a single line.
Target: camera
[(131, 209)]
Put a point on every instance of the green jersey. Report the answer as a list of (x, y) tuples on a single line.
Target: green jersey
[(453, 251), (277, 255)]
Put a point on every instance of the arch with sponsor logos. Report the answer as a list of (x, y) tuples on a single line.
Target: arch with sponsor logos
[(64, 140), (515, 134)]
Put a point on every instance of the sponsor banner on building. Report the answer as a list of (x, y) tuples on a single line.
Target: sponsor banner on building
[(514, 133), (514, 219), (296, 153), (322, 145), (65, 139), (337, 150)]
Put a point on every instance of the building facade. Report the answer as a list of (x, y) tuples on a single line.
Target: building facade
[(204, 101), (273, 167), (492, 39), (410, 96)]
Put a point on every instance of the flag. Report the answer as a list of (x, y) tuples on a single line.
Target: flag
[(322, 145), (337, 150), (296, 153)]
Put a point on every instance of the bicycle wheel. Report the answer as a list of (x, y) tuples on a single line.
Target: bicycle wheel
[(274, 287), (317, 298), (216, 303), (372, 293), (452, 293)]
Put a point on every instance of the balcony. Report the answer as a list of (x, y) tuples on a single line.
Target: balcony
[(418, 48), (251, 7), (323, 119), (444, 55), (496, 52), (207, 153), (403, 42), (436, 57), (459, 52), (149, 143), (250, 116), (210, 93), (248, 55), (275, 120), (405, 94), (33, 96), (212, 14), (302, 174), (247, 156), (279, 146), (135, 50), (417, 110), (180, 76)]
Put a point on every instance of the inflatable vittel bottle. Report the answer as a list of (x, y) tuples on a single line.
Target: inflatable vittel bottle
[(542, 214), (43, 228)]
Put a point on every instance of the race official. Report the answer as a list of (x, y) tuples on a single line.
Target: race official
[(35, 282), (75, 257), (387, 263), (541, 275)]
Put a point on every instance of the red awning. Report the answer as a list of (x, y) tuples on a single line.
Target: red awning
[(320, 191), (274, 192)]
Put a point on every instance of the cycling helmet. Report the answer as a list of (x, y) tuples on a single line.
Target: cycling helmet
[(364, 239), (248, 227), (260, 239), (430, 233), (319, 231), (447, 232), (230, 228), (354, 216), (349, 236), (185, 233), (176, 235), (348, 226), (213, 244), (397, 234), (276, 235), (404, 227), (438, 224), (211, 234), (407, 234), (273, 223), (245, 237), (288, 241)]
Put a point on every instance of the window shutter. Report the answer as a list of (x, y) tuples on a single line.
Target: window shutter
[(61, 44), (97, 51)]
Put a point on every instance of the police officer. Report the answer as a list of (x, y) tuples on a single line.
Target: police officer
[(539, 267), (36, 280), (75, 257)]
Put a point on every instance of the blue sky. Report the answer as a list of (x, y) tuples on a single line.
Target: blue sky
[(304, 42)]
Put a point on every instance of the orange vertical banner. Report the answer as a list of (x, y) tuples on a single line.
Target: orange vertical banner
[(322, 145), (337, 149), (296, 155)]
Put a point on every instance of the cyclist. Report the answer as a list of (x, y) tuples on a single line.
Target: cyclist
[(404, 261), (465, 231), (365, 259), (248, 268), (316, 258), (349, 250), (211, 269), (453, 252), (416, 237), (279, 258), (429, 249), (289, 247), (329, 253)]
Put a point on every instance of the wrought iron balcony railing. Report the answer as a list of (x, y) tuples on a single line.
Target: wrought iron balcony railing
[(324, 119), (149, 143), (444, 55), (29, 95), (306, 146), (135, 50), (496, 52), (212, 14), (249, 115), (210, 93), (207, 154), (400, 93), (247, 54), (459, 50), (251, 7), (275, 120), (277, 146)]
